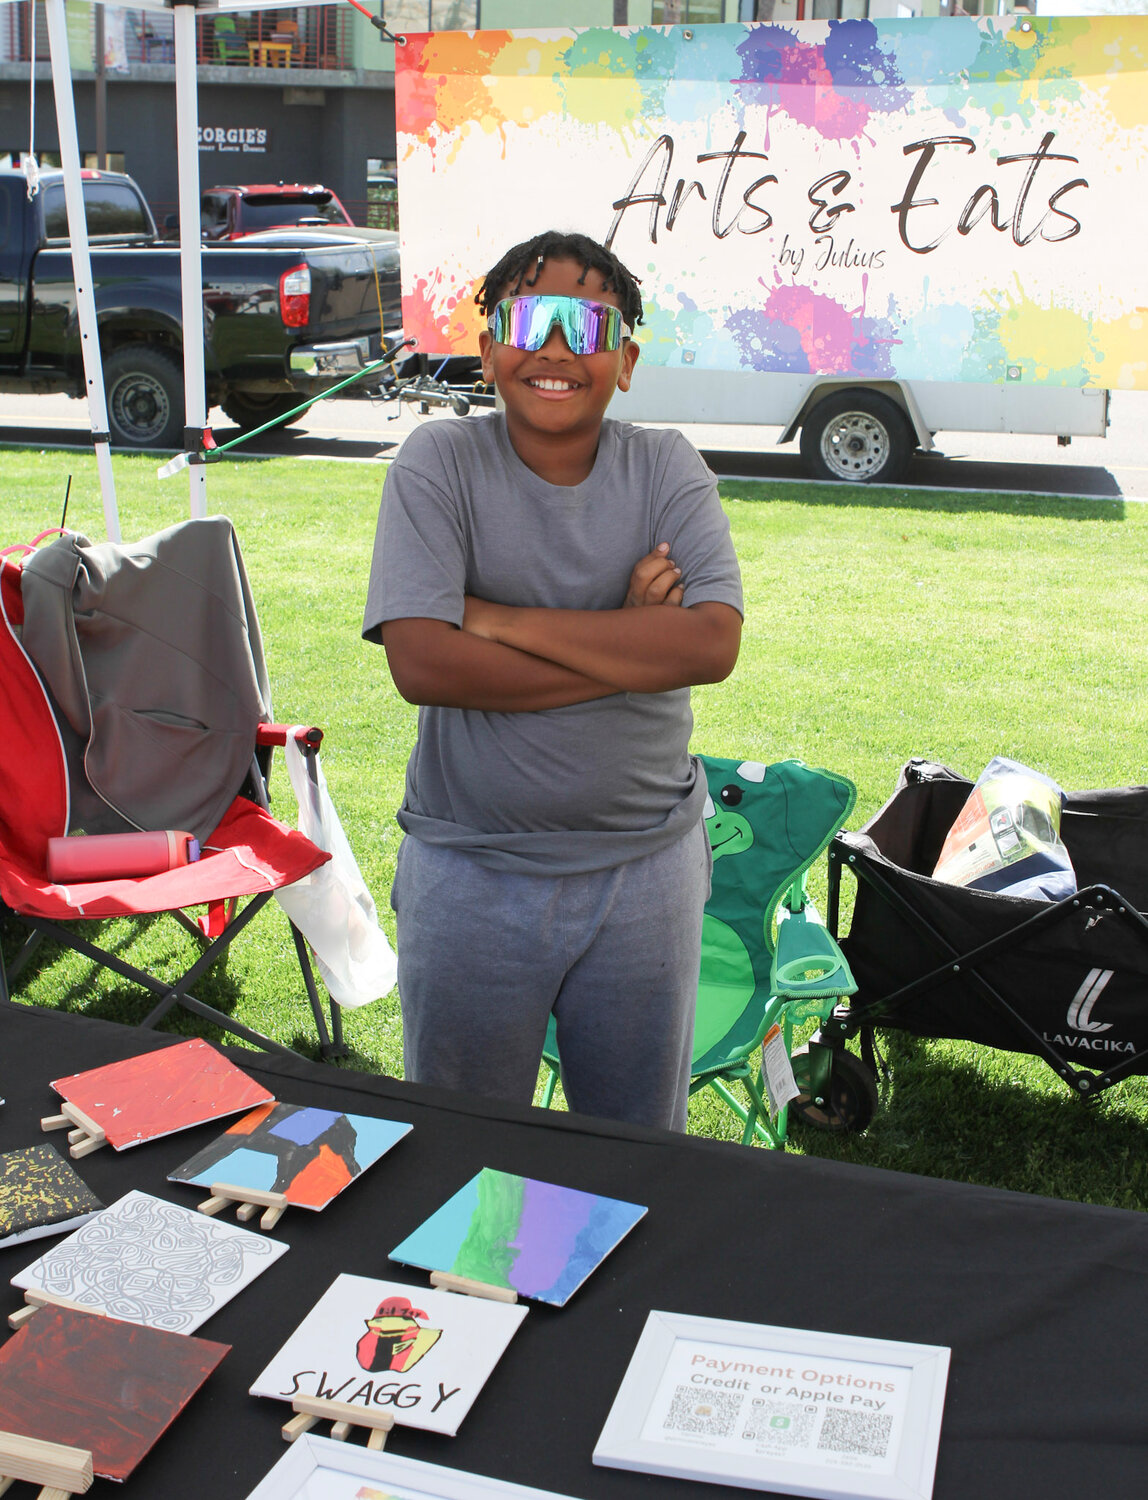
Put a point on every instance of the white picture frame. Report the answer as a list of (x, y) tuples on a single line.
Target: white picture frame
[(316, 1468), (825, 1415)]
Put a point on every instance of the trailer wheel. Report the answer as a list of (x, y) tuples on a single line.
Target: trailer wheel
[(851, 1101), (249, 410), (144, 388), (859, 436)]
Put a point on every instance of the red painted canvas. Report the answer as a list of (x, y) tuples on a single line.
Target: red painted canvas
[(161, 1092), (96, 1383)]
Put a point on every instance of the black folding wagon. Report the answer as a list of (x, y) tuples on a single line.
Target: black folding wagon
[(1063, 980)]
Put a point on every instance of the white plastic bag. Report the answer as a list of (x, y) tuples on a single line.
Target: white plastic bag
[(332, 907)]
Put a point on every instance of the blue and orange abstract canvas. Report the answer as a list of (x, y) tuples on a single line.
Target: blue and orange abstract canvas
[(310, 1155), (536, 1238)]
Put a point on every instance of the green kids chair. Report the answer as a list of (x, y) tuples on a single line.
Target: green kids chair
[(230, 42), (767, 826)]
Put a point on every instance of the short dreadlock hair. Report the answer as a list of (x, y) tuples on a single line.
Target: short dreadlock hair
[(521, 266)]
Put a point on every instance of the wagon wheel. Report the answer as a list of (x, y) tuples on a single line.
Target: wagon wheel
[(850, 1101)]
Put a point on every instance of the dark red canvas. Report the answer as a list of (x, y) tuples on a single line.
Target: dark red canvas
[(96, 1383)]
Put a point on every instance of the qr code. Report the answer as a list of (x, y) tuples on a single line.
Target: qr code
[(784, 1422), (712, 1413), (855, 1432)]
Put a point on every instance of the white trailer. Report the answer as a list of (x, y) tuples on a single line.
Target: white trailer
[(857, 429)]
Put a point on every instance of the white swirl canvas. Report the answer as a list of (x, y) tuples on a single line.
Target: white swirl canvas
[(149, 1261)]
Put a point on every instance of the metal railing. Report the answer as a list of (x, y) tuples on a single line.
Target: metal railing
[(314, 37), (311, 37)]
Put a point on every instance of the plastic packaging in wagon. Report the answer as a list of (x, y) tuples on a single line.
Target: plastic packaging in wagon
[(1007, 837)]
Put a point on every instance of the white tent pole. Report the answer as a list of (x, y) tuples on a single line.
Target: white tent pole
[(81, 259), (190, 248)]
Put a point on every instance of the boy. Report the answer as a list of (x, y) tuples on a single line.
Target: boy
[(547, 585)]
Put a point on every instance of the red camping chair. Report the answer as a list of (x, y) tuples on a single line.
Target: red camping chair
[(250, 854)]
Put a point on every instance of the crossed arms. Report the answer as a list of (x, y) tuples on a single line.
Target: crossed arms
[(507, 659)]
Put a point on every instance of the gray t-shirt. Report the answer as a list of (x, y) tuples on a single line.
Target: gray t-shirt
[(563, 790)]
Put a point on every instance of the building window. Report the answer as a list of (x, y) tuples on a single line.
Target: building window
[(693, 12), (114, 160), (839, 10), (432, 15)]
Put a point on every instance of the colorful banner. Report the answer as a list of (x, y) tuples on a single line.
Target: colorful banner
[(947, 199)]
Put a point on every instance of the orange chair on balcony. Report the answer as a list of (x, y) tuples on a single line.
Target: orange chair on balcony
[(286, 43)]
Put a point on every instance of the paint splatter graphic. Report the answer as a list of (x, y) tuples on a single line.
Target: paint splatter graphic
[(957, 198)]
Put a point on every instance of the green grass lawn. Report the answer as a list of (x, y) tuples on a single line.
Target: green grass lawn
[(880, 624)]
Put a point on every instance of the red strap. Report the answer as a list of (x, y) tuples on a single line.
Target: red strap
[(218, 915), (13, 599)]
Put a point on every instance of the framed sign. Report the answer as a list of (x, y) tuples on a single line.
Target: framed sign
[(767, 1408), (316, 1468)]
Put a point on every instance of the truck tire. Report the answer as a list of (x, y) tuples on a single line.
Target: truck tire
[(144, 391), (249, 411), (858, 436)]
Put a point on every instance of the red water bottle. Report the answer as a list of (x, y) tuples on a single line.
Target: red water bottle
[(118, 856)]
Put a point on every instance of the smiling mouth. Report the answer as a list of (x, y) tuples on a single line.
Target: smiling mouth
[(548, 383)]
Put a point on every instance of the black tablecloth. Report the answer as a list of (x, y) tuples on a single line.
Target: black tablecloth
[(1044, 1304)]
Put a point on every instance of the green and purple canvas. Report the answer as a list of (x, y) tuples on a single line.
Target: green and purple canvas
[(536, 1238)]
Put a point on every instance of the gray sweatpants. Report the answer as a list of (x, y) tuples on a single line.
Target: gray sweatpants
[(486, 956)]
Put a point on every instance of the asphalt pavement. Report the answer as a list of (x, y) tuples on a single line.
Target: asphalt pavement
[(369, 431)]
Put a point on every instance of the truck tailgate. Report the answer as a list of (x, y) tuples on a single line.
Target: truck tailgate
[(348, 285)]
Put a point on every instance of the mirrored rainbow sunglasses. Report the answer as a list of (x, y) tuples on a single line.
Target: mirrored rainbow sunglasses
[(587, 327)]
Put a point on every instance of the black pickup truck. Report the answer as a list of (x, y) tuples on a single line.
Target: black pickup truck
[(283, 319)]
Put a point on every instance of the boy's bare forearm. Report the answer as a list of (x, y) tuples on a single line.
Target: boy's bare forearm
[(434, 663), (648, 649)]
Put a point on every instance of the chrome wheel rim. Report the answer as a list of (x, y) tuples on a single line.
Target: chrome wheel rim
[(855, 445)]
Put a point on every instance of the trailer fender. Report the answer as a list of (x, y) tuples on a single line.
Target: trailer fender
[(899, 391)]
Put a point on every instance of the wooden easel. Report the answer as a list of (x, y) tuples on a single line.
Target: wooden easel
[(342, 1416), (248, 1203), (60, 1470), (447, 1281), (84, 1135), (34, 1300)]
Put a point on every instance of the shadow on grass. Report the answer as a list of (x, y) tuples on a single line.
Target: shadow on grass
[(985, 1118), (56, 977), (954, 502)]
